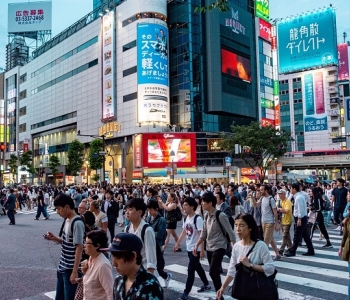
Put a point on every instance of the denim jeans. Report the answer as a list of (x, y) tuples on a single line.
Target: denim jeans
[(65, 290), (215, 261), (39, 211), (194, 265)]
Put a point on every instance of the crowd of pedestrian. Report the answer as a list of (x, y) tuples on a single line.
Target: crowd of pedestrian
[(238, 221)]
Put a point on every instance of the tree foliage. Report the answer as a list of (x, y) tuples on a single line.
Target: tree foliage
[(75, 157), (96, 162), (96, 177), (54, 162), (259, 145), (13, 165), (220, 5), (25, 160)]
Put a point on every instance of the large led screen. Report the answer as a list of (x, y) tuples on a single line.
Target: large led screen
[(307, 41), (235, 65), (160, 147)]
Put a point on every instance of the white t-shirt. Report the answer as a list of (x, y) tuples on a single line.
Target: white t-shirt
[(192, 234)]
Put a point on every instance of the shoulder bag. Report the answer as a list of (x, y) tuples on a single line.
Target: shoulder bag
[(253, 285)]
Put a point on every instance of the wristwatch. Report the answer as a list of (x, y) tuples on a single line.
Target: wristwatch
[(251, 266)]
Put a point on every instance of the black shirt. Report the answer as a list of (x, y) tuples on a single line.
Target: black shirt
[(340, 196)]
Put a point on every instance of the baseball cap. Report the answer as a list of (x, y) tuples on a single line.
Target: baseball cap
[(124, 242), (281, 191)]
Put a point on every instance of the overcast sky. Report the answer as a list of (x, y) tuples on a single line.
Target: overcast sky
[(67, 12)]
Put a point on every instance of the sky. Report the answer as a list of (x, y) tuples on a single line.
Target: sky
[(67, 12)]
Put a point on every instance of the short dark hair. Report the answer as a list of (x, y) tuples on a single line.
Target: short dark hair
[(341, 180), (249, 219), (138, 204), (221, 195), (296, 186), (209, 198), (89, 218), (62, 200), (153, 205), (128, 256), (152, 191), (99, 238), (191, 202)]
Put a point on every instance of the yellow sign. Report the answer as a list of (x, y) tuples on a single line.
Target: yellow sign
[(109, 128)]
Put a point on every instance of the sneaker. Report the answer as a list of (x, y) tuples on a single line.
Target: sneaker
[(167, 280), (328, 246), (204, 288), (184, 297), (338, 228), (277, 257), (281, 252)]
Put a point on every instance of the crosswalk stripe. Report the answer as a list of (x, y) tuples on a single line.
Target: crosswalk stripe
[(283, 294), (323, 252), (323, 261), (51, 295)]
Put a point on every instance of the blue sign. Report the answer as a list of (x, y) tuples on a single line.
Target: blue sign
[(266, 81), (307, 41), (315, 124), (348, 108), (228, 160), (152, 54)]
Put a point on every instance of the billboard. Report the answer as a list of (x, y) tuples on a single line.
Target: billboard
[(262, 9), (108, 67), (307, 41), (157, 148), (29, 17), (235, 65), (343, 62), (152, 73), (265, 30), (313, 88)]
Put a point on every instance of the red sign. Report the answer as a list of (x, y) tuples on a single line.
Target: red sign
[(265, 30), (343, 62), (267, 122), (277, 115), (160, 149), (274, 43), (138, 151), (25, 147), (137, 174)]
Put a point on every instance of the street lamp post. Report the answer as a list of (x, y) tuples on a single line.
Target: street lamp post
[(41, 172), (172, 156)]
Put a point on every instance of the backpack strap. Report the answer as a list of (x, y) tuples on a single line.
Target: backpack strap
[(194, 221), (217, 214), (62, 227), (143, 231), (251, 249), (71, 227)]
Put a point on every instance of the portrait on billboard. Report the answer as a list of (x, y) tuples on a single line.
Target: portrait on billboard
[(159, 150), (162, 43), (235, 65), (307, 41)]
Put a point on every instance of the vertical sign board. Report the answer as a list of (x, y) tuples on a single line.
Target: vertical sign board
[(152, 73), (265, 30), (262, 9), (108, 67), (307, 41), (138, 151), (347, 119), (315, 117), (343, 62)]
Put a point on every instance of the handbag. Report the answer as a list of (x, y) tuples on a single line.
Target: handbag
[(253, 285), (79, 292)]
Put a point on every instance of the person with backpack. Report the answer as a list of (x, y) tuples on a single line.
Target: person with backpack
[(135, 211), (158, 224), (216, 228), (72, 239), (191, 229)]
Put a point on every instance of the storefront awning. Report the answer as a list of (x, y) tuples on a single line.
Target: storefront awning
[(159, 172)]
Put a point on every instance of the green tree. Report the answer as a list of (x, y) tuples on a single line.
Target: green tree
[(220, 5), (13, 166), (75, 157), (25, 160), (31, 170), (54, 162), (96, 177), (259, 145), (96, 161)]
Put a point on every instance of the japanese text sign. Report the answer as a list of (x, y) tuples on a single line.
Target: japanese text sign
[(262, 9), (307, 41), (343, 62), (265, 30)]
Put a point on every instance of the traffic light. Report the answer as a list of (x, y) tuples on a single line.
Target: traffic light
[(2, 147), (116, 173), (224, 172)]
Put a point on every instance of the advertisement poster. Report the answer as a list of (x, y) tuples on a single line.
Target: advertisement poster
[(315, 117), (108, 84), (138, 151), (265, 30), (160, 147), (235, 65), (262, 9), (152, 73), (29, 16), (343, 62), (307, 41)]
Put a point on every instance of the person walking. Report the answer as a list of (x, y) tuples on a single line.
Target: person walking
[(41, 206), (10, 206), (286, 220), (111, 208), (339, 203)]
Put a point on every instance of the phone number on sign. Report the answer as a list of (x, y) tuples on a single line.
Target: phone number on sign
[(29, 18)]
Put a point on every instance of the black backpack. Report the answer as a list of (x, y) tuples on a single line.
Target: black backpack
[(232, 223), (194, 221), (159, 254), (71, 225)]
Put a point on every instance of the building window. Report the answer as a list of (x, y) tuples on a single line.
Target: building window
[(130, 97), (23, 94), (129, 46), (23, 78), (54, 120), (23, 111), (129, 71), (22, 128), (144, 15)]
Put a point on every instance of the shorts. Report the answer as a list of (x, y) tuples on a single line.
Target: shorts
[(268, 230), (171, 225)]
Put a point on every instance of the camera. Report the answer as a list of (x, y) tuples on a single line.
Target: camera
[(45, 235)]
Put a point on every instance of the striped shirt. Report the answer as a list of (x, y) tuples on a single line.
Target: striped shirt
[(69, 240)]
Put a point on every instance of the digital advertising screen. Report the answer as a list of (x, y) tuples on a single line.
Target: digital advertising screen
[(343, 62), (235, 65), (307, 41), (160, 147)]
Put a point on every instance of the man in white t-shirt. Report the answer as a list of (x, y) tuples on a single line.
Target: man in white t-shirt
[(192, 227)]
